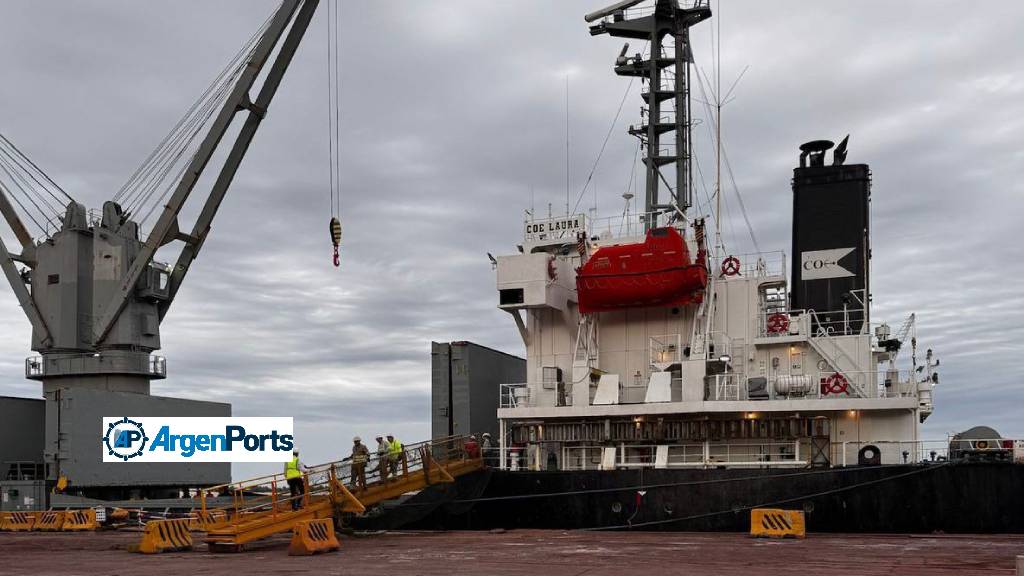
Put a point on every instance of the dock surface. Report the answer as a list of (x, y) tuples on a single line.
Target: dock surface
[(532, 552)]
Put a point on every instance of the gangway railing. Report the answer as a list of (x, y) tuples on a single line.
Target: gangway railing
[(264, 506)]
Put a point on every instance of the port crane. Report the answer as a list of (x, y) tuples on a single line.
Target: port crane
[(90, 286)]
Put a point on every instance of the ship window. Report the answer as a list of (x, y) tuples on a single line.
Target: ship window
[(659, 232), (53, 279), (510, 296)]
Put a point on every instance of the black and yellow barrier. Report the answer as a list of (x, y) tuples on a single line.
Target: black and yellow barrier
[(17, 521), (203, 521), (164, 536), (777, 523), (80, 520), (313, 536), (49, 521)]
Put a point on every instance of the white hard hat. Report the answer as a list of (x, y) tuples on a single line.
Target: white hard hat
[(357, 439), (472, 437), (487, 434), (296, 451)]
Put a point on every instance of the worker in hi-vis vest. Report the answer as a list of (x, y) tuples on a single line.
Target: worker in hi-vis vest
[(396, 454), (293, 470)]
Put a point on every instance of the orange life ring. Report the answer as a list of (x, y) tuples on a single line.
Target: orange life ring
[(731, 266), (778, 323)]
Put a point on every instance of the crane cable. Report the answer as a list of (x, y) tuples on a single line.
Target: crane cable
[(333, 124), (163, 168), (23, 181)]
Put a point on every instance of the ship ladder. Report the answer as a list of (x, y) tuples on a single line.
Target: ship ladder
[(262, 507)]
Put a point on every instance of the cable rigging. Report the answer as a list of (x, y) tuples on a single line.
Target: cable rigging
[(334, 123), (41, 199), (163, 168)]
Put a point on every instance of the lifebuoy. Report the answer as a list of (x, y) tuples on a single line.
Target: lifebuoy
[(835, 384), (778, 323), (731, 266), (869, 455)]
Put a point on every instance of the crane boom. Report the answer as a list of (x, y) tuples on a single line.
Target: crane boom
[(166, 228), (20, 231)]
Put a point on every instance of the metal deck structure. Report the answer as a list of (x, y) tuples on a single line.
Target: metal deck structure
[(262, 507)]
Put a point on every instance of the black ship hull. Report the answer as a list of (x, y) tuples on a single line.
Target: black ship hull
[(919, 498)]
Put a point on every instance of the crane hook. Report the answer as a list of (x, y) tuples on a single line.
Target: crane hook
[(336, 238)]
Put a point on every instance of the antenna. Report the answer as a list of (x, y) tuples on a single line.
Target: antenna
[(566, 143)]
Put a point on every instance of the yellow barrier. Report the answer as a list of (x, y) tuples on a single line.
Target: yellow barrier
[(201, 521), (80, 520), (776, 523), (49, 521), (164, 536), (17, 521), (313, 536)]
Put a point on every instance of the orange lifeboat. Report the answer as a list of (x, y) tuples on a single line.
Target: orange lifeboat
[(656, 272)]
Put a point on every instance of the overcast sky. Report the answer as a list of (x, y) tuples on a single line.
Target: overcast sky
[(452, 112)]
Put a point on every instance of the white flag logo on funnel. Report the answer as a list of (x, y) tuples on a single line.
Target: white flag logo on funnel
[(821, 264)]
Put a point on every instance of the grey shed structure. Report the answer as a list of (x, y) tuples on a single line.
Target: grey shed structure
[(465, 386), (22, 472)]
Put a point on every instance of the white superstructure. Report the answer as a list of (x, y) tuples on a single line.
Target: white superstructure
[(720, 383)]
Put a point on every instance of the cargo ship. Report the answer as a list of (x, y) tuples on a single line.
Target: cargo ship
[(673, 384)]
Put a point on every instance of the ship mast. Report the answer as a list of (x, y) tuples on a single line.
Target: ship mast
[(666, 30)]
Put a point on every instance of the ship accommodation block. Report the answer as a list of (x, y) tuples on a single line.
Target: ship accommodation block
[(668, 386)]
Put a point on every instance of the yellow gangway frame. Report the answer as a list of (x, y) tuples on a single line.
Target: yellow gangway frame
[(261, 507)]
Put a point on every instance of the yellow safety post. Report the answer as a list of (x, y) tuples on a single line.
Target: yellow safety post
[(164, 536), (777, 523), (313, 536)]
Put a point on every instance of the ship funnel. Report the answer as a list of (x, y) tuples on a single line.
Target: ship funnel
[(831, 248), (813, 152)]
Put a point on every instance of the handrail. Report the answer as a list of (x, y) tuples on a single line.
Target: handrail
[(830, 359), (268, 493)]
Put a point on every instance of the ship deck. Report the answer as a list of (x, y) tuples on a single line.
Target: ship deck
[(532, 552)]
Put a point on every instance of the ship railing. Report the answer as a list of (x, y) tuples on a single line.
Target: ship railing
[(582, 457), (687, 455), (648, 9), (897, 383), (625, 225), (809, 323), (95, 363), (751, 265), (891, 451), (515, 395), (820, 384)]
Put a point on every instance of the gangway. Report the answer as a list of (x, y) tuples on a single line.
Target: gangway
[(262, 507)]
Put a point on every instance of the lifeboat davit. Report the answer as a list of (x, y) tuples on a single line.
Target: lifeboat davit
[(656, 272)]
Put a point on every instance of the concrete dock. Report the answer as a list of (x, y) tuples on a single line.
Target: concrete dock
[(532, 552)]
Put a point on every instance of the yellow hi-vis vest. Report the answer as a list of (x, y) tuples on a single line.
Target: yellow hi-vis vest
[(395, 448), (291, 469)]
